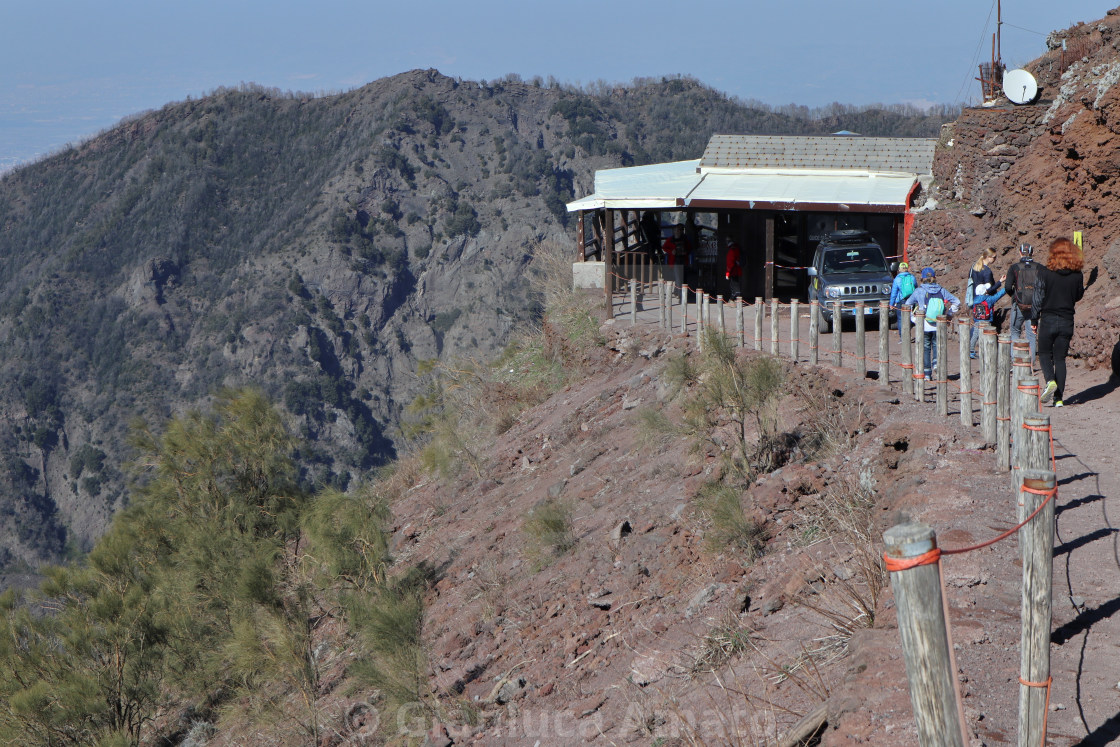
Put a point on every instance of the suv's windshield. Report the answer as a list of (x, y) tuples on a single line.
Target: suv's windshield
[(864, 259)]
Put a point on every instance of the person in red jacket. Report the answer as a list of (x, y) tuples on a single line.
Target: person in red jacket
[(677, 248), (734, 274)]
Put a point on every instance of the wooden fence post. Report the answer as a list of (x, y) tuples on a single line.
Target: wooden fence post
[(1024, 396), (633, 302), (794, 329), (942, 371), (907, 365), (861, 341), (759, 310), (668, 286), (919, 358), (925, 643), (884, 344), (837, 339), (988, 382), (773, 326), (740, 333), (684, 310), (814, 332), (1037, 542), (965, 379), (661, 296), (719, 309), (1003, 401)]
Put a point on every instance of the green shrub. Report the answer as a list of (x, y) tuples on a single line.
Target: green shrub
[(549, 531), (729, 527)]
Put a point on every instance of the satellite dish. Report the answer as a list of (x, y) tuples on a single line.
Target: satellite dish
[(1020, 87)]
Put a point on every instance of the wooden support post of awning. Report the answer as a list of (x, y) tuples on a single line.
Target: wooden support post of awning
[(581, 244), (900, 238), (608, 254), (768, 291)]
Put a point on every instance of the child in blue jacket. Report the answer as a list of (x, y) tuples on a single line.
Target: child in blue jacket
[(984, 297), (920, 299)]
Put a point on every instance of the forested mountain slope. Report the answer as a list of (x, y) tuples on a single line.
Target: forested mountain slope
[(316, 248)]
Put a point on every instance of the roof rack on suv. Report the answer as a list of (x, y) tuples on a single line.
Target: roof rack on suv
[(849, 236)]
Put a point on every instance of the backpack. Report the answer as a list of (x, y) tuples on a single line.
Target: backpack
[(935, 307), (982, 311), (905, 285), (1027, 286)]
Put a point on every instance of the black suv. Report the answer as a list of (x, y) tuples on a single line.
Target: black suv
[(849, 266)]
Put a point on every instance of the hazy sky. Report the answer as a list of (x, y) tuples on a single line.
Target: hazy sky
[(70, 68)]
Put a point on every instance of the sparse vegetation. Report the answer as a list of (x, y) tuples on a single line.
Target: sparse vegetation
[(549, 531), (729, 527), (732, 406)]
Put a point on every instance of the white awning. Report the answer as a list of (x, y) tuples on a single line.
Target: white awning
[(787, 173), (653, 187), (804, 190)]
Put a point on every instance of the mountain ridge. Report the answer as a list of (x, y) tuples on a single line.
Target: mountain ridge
[(317, 247)]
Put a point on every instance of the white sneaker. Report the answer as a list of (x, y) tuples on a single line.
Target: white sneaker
[(1058, 404)]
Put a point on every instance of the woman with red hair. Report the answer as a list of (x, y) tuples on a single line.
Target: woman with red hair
[(1063, 285)]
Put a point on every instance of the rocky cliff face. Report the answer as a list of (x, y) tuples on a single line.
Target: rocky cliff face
[(1010, 174)]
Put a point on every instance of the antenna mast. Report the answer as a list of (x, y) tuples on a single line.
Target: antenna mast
[(991, 73)]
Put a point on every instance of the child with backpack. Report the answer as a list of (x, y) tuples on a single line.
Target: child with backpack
[(934, 301), (984, 297), (901, 289)]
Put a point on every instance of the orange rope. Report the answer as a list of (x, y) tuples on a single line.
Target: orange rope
[(1046, 710), (1024, 489)]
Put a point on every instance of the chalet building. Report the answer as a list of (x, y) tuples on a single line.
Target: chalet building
[(775, 196)]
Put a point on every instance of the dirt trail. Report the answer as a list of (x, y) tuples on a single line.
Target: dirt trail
[(1086, 635), (983, 587)]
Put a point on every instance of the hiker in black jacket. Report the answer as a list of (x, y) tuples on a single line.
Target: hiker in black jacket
[(1063, 285), (1021, 299)]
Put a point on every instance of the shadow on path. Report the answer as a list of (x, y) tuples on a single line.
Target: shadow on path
[(1078, 502), (1084, 621), (1094, 392), (1075, 478), (1104, 734), (1083, 540)]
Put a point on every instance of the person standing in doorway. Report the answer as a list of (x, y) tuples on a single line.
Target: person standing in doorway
[(734, 274), (677, 248), (1063, 285)]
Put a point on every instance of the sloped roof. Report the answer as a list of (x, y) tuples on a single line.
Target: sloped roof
[(905, 154), (835, 173)]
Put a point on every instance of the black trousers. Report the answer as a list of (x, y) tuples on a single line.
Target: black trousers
[(1054, 335)]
